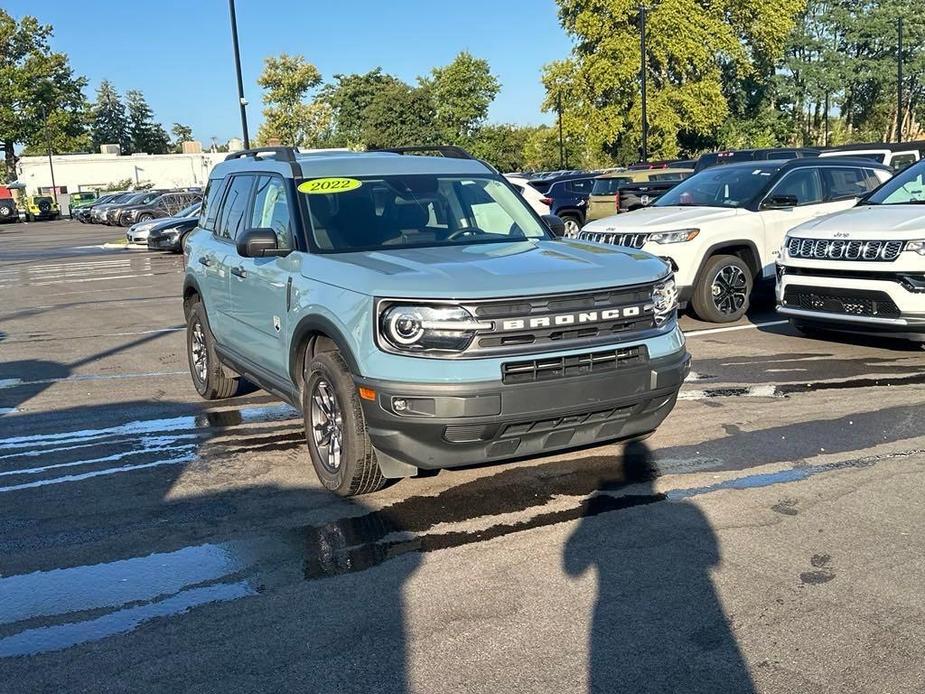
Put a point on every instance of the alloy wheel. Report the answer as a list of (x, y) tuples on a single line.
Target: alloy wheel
[(200, 354), (571, 228), (326, 425), (730, 289)]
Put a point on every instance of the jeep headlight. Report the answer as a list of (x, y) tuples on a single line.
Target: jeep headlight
[(664, 299), (916, 246), (676, 236), (421, 328)]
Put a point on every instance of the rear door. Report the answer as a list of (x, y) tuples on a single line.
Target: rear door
[(259, 287)]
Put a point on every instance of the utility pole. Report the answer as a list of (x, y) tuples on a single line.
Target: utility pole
[(899, 81), (237, 66), (51, 166), (825, 138), (561, 141), (642, 76)]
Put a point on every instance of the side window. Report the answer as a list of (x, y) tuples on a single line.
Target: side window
[(233, 206), (844, 183), (871, 179), (209, 210), (901, 161), (582, 187), (271, 209), (804, 183)]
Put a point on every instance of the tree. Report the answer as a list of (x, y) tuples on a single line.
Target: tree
[(37, 87), (110, 125), (462, 92), (400, 115), (181, 133), (349, 97), (146, 135), (694, 49), (500, 145), (287, 81)]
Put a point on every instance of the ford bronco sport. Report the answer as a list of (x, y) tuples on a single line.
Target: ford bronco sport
[(420, 314)]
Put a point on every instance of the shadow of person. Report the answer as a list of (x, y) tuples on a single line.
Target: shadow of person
[(658, 625)]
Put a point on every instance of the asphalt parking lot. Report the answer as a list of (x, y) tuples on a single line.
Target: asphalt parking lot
[(770, 537)]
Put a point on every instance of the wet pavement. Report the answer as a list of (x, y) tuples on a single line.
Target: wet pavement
[(767, 538)]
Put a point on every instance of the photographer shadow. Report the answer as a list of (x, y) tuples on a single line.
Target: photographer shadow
[(658, 624)]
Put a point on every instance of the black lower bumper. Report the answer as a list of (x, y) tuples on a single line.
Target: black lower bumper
[(164, 243), (450, 425)]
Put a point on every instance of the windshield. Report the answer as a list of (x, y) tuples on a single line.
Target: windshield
[(905, 188), (191, 211), (608, 186), (125, 197), (419, 210), (721, 186)]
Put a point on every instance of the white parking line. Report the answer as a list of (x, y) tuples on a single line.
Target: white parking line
[(750, 326)]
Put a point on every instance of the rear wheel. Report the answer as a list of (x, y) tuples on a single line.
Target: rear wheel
[(208, 375), (145, 217), (722, 295), (339, 447), (572, 225)]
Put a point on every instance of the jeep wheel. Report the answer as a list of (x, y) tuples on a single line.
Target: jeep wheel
[(723, 292), (205, 368), (335, 428), (572, 225)]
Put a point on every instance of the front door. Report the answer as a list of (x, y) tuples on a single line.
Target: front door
[(260, 286)]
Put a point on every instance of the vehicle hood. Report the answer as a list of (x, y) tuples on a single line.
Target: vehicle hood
[(487, 270), (663, 218), (172, 223), (900, 222)]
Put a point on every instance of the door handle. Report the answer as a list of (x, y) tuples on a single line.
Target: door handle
[(239, 272), (204, 261)]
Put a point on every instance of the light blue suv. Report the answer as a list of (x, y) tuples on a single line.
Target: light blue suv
[(420, 314)]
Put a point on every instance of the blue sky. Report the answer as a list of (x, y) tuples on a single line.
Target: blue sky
[(179, 52)]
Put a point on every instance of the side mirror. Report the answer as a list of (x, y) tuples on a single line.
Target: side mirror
[(780, 202), (259, 243), (555, 224)]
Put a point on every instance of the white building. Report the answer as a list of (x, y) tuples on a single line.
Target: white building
[(76, 172)]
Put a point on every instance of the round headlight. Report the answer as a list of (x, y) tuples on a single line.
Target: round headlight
[(405, 327), (664, 299)]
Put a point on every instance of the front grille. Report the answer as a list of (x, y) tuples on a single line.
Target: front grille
[(840, 249), (573, 365), (868, 304), (637, 240)]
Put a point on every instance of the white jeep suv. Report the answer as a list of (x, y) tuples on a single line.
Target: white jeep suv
[(861, 270), (722, 228)]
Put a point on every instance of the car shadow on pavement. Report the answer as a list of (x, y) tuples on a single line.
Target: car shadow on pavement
[(658, 624)]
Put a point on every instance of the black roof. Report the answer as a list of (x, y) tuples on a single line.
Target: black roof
[(802, 162)]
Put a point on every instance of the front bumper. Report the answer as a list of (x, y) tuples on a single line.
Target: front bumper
[(168, 242), (450, 425)]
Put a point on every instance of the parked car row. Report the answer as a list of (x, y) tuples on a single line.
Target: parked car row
[(124, 208), (167, 233)]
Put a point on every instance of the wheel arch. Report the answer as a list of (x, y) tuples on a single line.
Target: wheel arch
[(747, 251), (314, 334), (191, 292)]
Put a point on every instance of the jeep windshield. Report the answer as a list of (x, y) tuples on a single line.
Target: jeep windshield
[(905, 188), (386, 212), (721, 186)]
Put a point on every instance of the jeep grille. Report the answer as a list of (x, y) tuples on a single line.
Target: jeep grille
[(840, 249)]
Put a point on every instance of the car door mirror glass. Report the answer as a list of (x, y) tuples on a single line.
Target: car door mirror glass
[(780, 202), (555, 224), (259, 243)]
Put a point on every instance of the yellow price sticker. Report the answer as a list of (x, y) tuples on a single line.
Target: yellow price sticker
[(326, 186)]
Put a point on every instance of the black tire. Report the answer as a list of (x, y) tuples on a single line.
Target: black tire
[(29, 217), (355, 469), (212, 384), (727, 272), (145, 218), (572, 224)]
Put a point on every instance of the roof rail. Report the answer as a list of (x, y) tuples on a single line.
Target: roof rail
[(282, 153), (449, 151)]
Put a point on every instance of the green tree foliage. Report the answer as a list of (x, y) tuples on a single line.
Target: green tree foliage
[(146, 135), (181, 133), (110, 124), (287, 81), (349, 96), (37, 85), (400, 115), (696, 48), (462, 92)]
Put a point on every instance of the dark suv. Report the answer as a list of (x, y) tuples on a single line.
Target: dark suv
[(740, 155), (164, 205), (569, 201), (114, 212)]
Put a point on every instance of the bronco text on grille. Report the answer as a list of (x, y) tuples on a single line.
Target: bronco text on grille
[(838, 249)]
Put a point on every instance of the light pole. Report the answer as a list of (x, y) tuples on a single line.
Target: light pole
[(899, 81), (642, 76), (237, 66), (561, 141), (51, 166)]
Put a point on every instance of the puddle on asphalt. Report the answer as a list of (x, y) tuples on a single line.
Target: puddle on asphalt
[(60, 608), (770, 390)]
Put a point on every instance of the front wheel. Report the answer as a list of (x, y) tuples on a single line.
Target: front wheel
[(208, 375), (572, 225), (339, 447), (722, 295), (145, 217)]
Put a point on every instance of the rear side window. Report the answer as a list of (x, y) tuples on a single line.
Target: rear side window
[(233, 207), (848, 182), (582, 187), (608, 186), (209, 211), (901, 161)]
